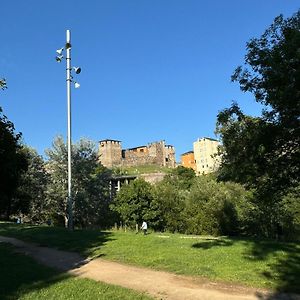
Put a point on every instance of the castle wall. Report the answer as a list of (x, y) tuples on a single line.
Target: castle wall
[(157, 153), (153, 155)]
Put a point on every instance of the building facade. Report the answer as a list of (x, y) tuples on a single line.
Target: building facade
[(111, 154), (188, 160), (205, 155)]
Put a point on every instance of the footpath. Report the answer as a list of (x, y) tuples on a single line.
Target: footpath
[(161, 285)]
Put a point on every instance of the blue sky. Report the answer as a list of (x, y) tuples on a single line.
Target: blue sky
[(151, 70)]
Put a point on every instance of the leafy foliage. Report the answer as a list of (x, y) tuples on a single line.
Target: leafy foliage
[(90, 184), (217, 208), (33, 187), (264, 152), (13, 163), (182, 177), (134, 202), (206, 207), (170, 205)]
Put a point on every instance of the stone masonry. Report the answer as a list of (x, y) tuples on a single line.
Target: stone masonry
[(157, 153)]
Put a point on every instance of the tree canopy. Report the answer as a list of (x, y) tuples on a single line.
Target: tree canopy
[(12, 162), (267, 148), (32, 190), (90, 183), (264, 152)]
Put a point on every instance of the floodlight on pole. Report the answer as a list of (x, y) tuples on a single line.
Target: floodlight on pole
[(70, 80), (60, 51), (77, 70), (76, 85)]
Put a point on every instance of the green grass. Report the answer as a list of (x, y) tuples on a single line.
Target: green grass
[(23, 278), (144, 169), (257, 263)]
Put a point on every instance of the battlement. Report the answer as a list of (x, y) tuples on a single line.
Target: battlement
[(111, 154)]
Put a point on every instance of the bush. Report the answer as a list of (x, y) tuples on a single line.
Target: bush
[(216, 208)]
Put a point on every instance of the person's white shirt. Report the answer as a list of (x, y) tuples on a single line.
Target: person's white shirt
[(144, 225)]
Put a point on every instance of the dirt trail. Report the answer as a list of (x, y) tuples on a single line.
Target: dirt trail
[(162, 285)]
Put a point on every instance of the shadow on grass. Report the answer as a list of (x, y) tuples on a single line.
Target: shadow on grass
[(21, 274), (85, 242), (209, 243), (284, 267)]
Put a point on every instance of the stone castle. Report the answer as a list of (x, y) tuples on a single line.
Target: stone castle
[(111, 154)]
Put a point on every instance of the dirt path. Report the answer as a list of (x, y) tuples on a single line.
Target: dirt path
[(162, 285)]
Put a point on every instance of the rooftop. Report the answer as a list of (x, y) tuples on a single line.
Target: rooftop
[(186, 153), (109, 140)]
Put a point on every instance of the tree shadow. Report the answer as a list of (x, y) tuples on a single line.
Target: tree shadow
[(85, 242), (284, 268), (209, 243), (21, 274)]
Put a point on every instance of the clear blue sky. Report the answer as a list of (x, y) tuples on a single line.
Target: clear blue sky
[(151, 70)]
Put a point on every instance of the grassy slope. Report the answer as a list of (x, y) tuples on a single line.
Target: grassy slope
[(267, 264), (144, 169), (22, 278)]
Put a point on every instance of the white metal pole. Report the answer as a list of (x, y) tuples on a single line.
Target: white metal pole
[(69, 79)]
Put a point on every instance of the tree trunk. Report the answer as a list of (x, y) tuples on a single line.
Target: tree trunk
[(66, 221)]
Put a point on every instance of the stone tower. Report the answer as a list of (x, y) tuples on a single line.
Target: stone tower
[(110, 153), (170, 156)]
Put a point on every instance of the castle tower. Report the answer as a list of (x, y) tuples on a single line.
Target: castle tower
[(170, 160), (110, 153)]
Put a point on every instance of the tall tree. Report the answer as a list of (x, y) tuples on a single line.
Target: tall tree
[(31, 193), (90, 183), (133, 202), (264, 152), (12, 164)]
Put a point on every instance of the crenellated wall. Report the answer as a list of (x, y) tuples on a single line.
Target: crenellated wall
[(157, 153)]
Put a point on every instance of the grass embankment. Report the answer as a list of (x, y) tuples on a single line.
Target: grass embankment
[(23, 278), (258, 263), (144, 169)]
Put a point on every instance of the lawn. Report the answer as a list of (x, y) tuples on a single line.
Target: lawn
[(144, 169), (257, 263), (22, 278)]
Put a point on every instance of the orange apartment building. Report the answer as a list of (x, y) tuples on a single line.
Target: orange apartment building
[(188, 160)]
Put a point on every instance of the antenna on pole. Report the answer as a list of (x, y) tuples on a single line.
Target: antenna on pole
[(70, 80), (69, 136)]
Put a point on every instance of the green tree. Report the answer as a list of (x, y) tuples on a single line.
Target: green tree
[(33, 186), (134, 202), (290, 212), (264, 152), (181, 176), (170, 204), (217, 208), (12, 163), (90, 183)]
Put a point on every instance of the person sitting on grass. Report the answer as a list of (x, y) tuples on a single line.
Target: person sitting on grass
[(144, 227)]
